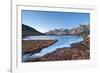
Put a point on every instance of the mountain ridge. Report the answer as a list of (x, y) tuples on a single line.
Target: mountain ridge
[(82, 30), (74, 31), (29, 31)]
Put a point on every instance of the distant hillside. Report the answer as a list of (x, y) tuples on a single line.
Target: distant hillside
[(82, 30), (28, 31)]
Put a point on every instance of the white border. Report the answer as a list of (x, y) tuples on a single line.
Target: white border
[(18, 66)]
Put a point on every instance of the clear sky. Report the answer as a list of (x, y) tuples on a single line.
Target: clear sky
[(44, 21)]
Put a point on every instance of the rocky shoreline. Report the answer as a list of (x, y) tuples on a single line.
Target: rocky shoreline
[(77, 51), (35, 46)]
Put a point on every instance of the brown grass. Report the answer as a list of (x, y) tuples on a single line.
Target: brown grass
[(33, 45)]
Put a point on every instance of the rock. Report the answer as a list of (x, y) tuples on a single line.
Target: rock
[(77, 51), (35, 45)]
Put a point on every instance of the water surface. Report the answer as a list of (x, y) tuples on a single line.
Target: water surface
[(62, 41)]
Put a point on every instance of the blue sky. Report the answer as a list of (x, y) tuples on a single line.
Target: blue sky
[(44, 21)]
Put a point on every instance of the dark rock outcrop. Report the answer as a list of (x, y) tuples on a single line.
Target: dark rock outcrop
[(29, 31)]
